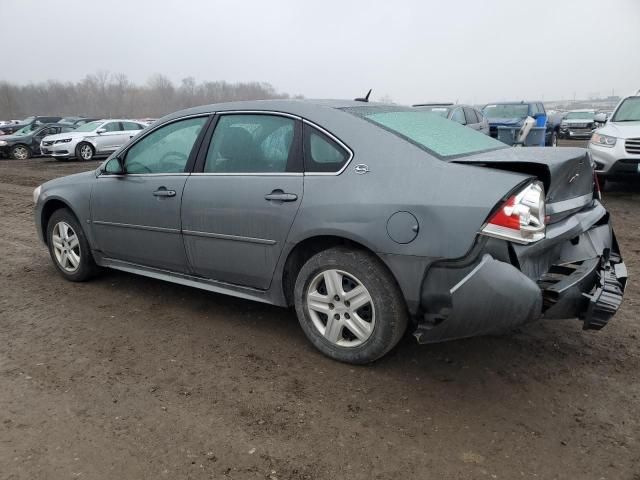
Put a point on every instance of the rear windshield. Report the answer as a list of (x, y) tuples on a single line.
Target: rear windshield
[(429, 131)]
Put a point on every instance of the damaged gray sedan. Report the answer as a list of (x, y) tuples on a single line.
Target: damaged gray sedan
[(369, 219)]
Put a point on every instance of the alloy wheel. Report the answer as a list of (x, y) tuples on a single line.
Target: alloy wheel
[(341, 308), (21, 153), (66, 247), (86, 152)]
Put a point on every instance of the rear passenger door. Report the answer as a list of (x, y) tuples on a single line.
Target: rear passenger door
[(239, 205)]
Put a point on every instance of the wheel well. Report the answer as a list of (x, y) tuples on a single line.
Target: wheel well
[(306, 249), (47, 210)]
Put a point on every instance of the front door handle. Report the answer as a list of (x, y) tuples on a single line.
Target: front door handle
[(163, 192), (280, 196)]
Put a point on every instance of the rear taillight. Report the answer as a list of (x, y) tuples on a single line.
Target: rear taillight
[(521, 218)]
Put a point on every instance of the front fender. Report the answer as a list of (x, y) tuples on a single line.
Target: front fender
[(72, 192)]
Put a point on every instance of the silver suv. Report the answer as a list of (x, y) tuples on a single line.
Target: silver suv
[(615, 148)]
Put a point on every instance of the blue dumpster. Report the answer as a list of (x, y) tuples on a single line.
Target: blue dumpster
[(509, 135)]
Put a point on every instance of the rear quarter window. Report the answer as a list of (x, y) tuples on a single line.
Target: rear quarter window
[(321, 153)]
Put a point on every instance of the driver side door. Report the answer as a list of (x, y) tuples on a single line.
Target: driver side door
[(136, 209)]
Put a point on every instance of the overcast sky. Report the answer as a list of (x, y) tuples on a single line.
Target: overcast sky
[(410, 50)]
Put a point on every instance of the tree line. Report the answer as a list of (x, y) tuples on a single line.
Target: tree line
[(106, 95)]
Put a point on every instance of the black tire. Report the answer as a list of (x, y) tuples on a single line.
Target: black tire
[(86, 267), (553, 141), (602, 182), (391, 316), (21, 152), (85, 151)]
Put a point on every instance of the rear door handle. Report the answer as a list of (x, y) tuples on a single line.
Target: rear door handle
[(280, 196), (163, 192)]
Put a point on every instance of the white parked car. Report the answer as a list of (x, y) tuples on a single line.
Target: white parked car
[(91, 139), (615, 148)]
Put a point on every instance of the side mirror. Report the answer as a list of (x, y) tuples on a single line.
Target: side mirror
[(100, 131), (114, 166), (600, 118)]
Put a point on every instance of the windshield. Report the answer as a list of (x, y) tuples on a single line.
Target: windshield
[(442, 111), (580, 116), (506, 110), (26, 130), (429, 131), (88, 127), (628, 111)]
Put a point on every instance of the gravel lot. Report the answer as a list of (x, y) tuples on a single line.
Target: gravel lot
[(126, 377)]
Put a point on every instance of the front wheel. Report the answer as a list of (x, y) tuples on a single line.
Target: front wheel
[(85, 151), (349, 306), (20, 152), (69, 248), (554, 139)]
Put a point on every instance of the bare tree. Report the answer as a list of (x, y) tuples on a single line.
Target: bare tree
[(113, 95)]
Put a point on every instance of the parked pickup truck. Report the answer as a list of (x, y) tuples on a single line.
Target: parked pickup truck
[(513, 114)]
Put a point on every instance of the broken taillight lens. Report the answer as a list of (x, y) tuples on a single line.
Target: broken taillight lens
[(521, 218)]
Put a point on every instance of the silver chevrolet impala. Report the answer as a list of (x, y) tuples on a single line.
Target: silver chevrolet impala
[(371, 220)]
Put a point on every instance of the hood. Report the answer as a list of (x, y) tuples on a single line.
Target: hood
[(621, 129), (12, 127), (13, 137), (505, 122), (60, 136), (69, 179)]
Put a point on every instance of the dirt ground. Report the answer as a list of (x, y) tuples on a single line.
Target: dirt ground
[(126, 377)]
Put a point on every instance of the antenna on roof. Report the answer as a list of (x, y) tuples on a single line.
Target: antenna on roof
[(365, 98)]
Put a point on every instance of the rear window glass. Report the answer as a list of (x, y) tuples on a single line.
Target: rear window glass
[(427, 130)]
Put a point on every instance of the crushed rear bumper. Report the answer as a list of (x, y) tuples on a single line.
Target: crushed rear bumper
[(577, 272)]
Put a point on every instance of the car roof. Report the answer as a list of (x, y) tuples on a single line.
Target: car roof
[(310, 109)]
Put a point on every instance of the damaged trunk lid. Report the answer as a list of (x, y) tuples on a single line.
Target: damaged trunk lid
[(566, 173)]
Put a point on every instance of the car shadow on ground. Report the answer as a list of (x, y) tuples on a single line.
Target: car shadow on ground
[(265, 329)]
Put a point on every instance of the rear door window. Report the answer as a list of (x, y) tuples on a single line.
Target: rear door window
[(252, 143), (131, 126)]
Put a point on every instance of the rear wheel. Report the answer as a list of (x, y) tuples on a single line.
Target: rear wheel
[(20, 152), (349, 305), (69, 248), (553, 142), (85, 151)]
